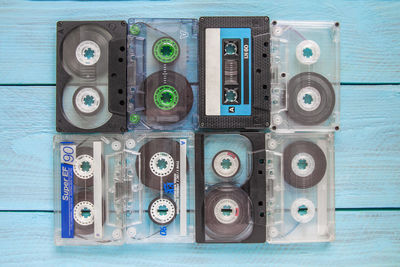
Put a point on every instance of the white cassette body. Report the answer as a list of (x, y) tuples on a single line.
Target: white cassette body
[(300, 182), (305, 82)]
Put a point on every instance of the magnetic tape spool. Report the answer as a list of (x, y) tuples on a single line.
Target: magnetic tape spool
[(169, 97), (84, 166), (226, 164), (158, 159), (162, 211), (304, 164), (84, 212), (88, 100), (311, 98), (227, 213), (84, 51)]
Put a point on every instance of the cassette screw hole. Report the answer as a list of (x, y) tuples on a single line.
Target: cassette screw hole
[(122, 48), (337, 128), (226, 210), (258, 70), (274, 22), (337, 24), (307, 52), (120, 59), (260, 172), (85, 166), (162, 164), (264, 55), (260, 203), (265, 86), (85, 212), (283, 75), (122, 102), (120, 91), (226, 164), (266, 44), (302, 210), (262, 214), (162, 210), (302, 164)]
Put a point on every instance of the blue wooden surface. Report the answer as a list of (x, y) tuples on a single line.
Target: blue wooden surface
[(367, 146)]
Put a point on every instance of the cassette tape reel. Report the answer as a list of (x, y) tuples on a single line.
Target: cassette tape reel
[(305, 76), (300, 182), (91, 76), (89, 199), (159, 169), (234, 72), (162, 73), (230, 187)]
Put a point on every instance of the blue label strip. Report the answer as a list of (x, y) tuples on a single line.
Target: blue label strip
[(67, 201)]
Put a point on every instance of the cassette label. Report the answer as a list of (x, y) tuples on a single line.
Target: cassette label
[(67, 190)]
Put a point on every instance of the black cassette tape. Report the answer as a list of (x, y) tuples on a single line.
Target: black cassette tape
[(230, 187), (162, 73), (234, 72), (91, 76)]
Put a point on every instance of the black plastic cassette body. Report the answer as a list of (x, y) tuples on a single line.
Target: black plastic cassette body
[(300, 182), (91, 76), (305, 87), (160, 171), (89, 190), (162, 74), (234, 72), (230, 187)]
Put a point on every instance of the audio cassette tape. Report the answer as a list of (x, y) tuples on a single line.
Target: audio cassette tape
[(89, 190), (162, 73), (305, 80), (300, 187), (230, 187), (91, 76), (160, 171), (234, 72)]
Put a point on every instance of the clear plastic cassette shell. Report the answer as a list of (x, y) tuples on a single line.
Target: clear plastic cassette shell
[(305, 81), (230, 188), (162, 74), (89, 190), (91, 76), (300, 187), (160, 173)]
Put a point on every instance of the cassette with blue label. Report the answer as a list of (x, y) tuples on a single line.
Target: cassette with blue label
[(89, 190), (160, 173), (234, 76), (162, 74)]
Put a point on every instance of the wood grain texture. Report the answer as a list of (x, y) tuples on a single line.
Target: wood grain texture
[(362, 238), (369, 31), (367, 147)]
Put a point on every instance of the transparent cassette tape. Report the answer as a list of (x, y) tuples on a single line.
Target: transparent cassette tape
[(89, 190), (162, 74), (300, 187), (305, 81), (230, 187), (160, 173)]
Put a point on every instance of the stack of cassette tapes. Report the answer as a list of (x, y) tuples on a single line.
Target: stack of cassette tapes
[(162, 73), (230, 131)]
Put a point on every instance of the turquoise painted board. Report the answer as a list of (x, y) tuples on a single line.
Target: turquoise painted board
[(367, 146)]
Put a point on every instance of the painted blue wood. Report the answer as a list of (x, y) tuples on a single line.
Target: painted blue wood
[(369, 31), (367, 147), (362, 238)]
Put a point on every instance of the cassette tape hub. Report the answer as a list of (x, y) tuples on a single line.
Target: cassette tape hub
[(230, 187), (91, 76)]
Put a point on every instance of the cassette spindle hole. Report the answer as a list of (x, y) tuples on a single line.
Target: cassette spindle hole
[(166, 97), (166, 50), (226, 164), (302, 210)]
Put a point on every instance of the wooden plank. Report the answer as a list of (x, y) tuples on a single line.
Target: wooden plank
[(367, 147), (362, 238), (369, 31)]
